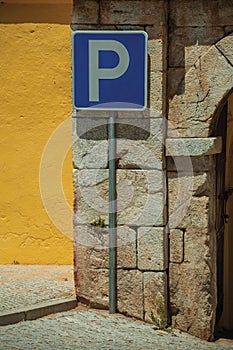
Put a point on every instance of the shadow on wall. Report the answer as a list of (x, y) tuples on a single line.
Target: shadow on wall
[(35, 11), (94, 129)]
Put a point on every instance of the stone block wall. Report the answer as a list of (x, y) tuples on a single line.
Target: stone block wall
[(141, 238), (166, 195), (200, 77)]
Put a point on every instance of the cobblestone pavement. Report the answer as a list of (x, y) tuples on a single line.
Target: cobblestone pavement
[(26, 285), (93, 329), (82, 328)]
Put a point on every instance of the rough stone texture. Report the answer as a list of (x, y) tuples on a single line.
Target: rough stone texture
[(77, 26), (132, 154), (188, 44), (86, 12), (188, 200), (91, 284), (201, 13), (91, 245), (131, 12), (151, 249), (155, 91), (89, 145), (139, 141), (91, 195), (196, 214), (128, 27), (175, 82), (196, 244), (140, 200), (155, 48), (90, 154), (190, 113), (154, 284), (228, 29), (142, 115), (130, 292), (126, 249), (191, 89), (193, 146), (199, 164), (176, 246), (195, 311), (226, 47), (194, 101), (190, 297)]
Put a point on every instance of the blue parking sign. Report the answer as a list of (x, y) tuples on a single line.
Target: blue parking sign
[(109, 70)]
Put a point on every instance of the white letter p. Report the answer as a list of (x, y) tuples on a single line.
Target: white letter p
[(96, 73)]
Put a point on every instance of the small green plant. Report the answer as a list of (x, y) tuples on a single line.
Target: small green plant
[(161, 321), (15, 262), (100, 222)]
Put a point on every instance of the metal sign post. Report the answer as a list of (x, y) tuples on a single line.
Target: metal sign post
[(112, 212)]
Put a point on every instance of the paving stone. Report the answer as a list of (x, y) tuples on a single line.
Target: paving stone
[(90, 329), (25, 285)]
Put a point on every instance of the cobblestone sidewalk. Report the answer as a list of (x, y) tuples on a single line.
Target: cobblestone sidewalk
[(26, 285), (93, 329), (81, 328)]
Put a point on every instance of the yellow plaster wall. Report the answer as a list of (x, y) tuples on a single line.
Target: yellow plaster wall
[(35, 97)]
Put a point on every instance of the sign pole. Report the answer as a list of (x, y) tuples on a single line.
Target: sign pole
[(112, 212), (110, 72)]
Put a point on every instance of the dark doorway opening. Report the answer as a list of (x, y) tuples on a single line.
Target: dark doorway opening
[(224, 224)]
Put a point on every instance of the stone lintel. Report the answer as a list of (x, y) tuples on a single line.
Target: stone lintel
[(193, 146)]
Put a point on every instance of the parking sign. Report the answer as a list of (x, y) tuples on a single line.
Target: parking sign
[(109, 70)]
